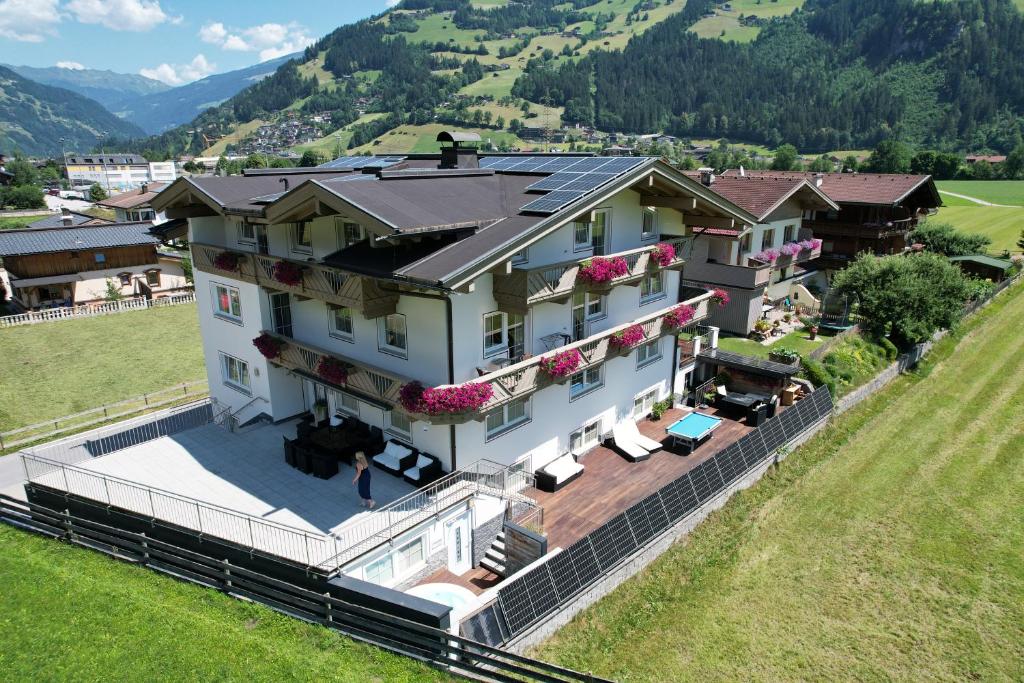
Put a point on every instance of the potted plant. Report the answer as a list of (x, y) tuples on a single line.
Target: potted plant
[(288, 273), (659, 408), (709, 398), (663, 254), (332, 370), (788, 317), (227, 260), (601, 271), (784, 354), (679, 316), (320, 410), (720, 297), (561, 365), (453, 400), (627, 338), (812, 330), (268, 345)]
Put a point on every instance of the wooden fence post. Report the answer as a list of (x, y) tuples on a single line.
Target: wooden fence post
[(327, 608), (145, 549), (227, 574)]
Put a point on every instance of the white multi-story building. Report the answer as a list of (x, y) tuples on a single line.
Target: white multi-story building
[(445, 273), (118, 172)]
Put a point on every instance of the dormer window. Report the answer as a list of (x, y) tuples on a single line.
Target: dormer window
[(302, 238)]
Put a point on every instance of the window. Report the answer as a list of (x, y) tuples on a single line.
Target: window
[(585, 381), (585, 309), (125, 278), (226, 303), (398, 423), (789, 233), (745, 243), (495, 341), (281, 313), (100, 257), (648, 353), (581, 232), (767, 238), (246, 233), (153, 278), (349, 233), (643, 403), (500, 420), (235, 373), (515, 330), (344, 403), (649, 231), (409, 557), (392, 335), (398, 564), (521, 256), (302, 238), (592, 235), (340, 320), (652, 287), (381, 571), (582, 440)]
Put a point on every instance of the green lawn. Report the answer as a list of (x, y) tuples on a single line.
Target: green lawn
[(1002, 224), (16, 222), (726, 25), (799, 341), (58, 368), (1009, 192), (72, 614), (887, 548)]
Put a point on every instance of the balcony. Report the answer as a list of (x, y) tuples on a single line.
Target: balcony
[(726, 275), (895, 228), (785, 261), (515, 292), (524, 378), (364, 379), (315, 281)]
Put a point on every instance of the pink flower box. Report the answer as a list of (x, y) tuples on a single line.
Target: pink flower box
[(561, 364), (270, 347), (628, 338), (600, 270), (288, 273), (720, 297), (679, 316), (332, 370), (227, 260), (790, 249), (767, 256), (455, 400), (663, 254)]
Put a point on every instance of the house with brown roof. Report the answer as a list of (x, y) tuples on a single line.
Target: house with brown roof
[(762, 264), (136, 204), (876, 212)]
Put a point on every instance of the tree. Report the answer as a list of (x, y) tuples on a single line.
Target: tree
[(1020, 240), (943, 238), (822, 165), (23, 197), (23, 171), (850, 164), (890, 156), (113, 291), (311, 158), (1013, 167), (785, 158), (186, 267), (906, 298), (97, 193)]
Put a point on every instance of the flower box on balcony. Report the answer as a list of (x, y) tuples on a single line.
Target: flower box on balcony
[(627, 338), (790, 249), (601, 271), (561, 365), (437, 401), (271, 347), (288, 273), (677, 318), (332, 370), (663, 254), (720, 298), (766, 256), (227, 260)]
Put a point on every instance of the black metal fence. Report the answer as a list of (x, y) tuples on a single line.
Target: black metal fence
[(531, 597), (434, 647)]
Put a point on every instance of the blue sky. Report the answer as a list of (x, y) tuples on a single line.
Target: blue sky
[(175, 41)]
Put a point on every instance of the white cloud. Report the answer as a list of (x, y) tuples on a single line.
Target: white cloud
[(177, 74), (74, 66), (120, 15), (269, 40), (28, 21), (392, 3)]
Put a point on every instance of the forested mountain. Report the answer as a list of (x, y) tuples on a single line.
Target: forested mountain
[(109, 88), (34, 118), (835, 74)]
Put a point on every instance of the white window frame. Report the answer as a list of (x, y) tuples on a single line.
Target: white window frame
[(644, 402), (382, 336), (233, 296), (387, 561), (577, 225), (789, 233), (332, 324), (653, 233), (502, 345), (404, 567), (521, 256), (398, 564), (399, 430), (767, 238), (226, 362), (343, 226), (594, 427), (644, 357), (243, 228), (293, 237), (506, 418), (588, 382), (652, 295), (341, 398)]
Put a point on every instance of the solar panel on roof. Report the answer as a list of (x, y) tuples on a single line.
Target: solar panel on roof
[(552, 202), (266, 198), (354, 162), (586, 182), (558, 164), (554, 181)]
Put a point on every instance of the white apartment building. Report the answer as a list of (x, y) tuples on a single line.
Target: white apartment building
[(373, 274), (118, 172)]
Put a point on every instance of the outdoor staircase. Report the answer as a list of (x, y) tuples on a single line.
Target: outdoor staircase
[(494, 560)]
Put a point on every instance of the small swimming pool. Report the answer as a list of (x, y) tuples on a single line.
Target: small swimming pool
[(461, 600), (694, 426)]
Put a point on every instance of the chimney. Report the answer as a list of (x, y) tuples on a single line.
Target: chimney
[(144, 188), (459, 154), (818, 179), (707, 177), (66, 220), (65, 211), (743, 173)]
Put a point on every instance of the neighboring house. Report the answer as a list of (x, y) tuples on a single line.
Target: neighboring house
[(877, 212), (67, 218), (117, 172), (434, 270), (751, 263), (65, 266), (984, 267), (985, 158), (134, 205)]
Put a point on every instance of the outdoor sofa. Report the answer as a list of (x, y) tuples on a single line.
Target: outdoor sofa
[(558, 473), (395, 458)]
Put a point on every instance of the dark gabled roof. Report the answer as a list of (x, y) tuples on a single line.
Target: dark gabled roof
[(886, 189), (983, 259), (57, 220), (761, 195), (757, 366), (133, 198), (175, 229), (45, 241)]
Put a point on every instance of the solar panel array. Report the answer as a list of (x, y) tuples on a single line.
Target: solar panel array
[(356, 163), (570, 177), (532, 596)]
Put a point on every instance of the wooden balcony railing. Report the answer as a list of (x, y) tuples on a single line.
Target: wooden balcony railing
[(317, 281), (726, 275), (524, 378), (521, 288), (362, 378)]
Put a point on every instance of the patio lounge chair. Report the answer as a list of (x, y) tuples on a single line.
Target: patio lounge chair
[(558, 473), (395, 458), (623, 443), (427, 470), (633, 432)]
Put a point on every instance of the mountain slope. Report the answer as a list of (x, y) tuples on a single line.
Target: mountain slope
[(109, 88), (157, 111), (34, 118)]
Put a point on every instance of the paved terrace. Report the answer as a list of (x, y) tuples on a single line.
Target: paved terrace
[(246, 472)]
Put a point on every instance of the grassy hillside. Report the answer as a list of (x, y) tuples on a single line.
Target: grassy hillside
[(1008, 192), (887, 548), (725, 24), (1002, 224)]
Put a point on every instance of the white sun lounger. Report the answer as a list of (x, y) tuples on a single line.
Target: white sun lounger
[(633, 432), (628, 447)]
